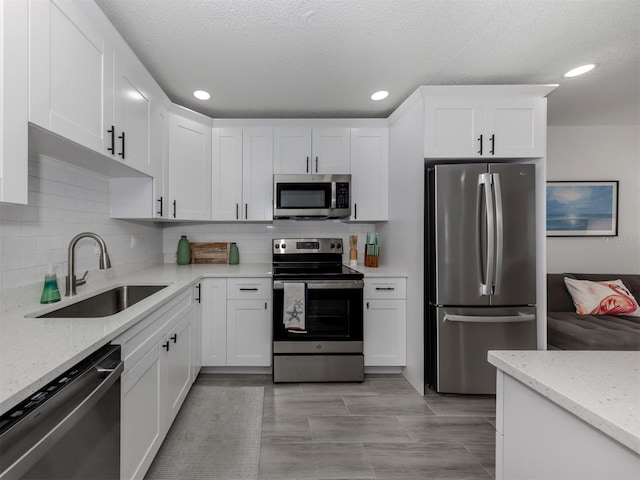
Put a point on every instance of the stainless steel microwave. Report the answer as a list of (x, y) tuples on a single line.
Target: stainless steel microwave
[(311, 196)]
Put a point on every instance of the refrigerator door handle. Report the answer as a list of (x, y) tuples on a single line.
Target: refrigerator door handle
[(499, 224), (486, 285), (521, 317)]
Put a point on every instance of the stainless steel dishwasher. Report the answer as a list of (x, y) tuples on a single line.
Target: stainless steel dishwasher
[(70, 429)]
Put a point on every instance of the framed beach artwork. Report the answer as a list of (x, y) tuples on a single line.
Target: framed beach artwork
[(582, 209)]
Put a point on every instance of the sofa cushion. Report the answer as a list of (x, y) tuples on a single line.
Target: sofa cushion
[(569, 331), (558, 298), (610, 297), (631, 281)]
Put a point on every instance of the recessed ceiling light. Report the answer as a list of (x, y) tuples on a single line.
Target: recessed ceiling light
[(381, 95), (579, 70), (201, 95)]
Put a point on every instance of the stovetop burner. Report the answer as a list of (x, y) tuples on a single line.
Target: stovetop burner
[(305, 258)]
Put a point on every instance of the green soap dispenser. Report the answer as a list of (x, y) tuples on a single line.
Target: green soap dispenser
[(50, 292), (184, 251), (234, 255)]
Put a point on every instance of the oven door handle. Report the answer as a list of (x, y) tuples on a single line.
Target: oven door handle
[(323, 284)]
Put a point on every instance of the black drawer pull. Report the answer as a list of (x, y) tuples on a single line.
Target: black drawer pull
[(386, 289), (242, 289), (199, 287), (166, 346), (174, 337)]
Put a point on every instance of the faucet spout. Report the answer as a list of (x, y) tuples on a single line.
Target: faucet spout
[(105, 261)]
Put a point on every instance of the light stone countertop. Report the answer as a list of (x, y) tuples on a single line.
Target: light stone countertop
[(34, 351), (600, 387)]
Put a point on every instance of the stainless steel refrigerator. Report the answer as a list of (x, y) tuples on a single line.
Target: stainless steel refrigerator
[(480, 271)]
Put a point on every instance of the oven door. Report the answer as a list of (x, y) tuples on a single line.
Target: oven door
[(333, 312)]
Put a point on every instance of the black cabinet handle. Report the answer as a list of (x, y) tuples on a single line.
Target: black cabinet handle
[(480, 140), (112, 132), (316, 164), (493, 144), (237, 212), (265, 305), (166, 346), (355, 211), (246, 211), (174, 209), (199, 293), (122, 138), (386, 289), (174, 337), (248, 289), (307, 164), (160, 200), (367, 305)]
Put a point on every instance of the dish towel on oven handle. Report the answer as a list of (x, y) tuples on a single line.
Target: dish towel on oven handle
[(294, 307)]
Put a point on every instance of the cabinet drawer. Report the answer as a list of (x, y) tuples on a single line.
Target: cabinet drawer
[(248, 288), (385, 288)]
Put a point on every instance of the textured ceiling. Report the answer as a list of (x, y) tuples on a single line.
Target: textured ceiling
[(324, 58)]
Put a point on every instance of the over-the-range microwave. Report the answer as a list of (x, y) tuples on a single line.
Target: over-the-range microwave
[(311, 196)]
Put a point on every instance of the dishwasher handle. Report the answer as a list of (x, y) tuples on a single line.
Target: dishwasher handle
[(29, 459)]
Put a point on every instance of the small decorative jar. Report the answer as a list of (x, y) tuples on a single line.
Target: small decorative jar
[(184, 251), (234, 255)]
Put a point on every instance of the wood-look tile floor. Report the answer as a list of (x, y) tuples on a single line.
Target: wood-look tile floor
[(378, 429)]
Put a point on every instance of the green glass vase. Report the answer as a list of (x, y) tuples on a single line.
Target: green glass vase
[(234, 255), (184, 251)]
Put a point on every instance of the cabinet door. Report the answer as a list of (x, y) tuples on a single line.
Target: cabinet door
[(226, 183), (189, 169), (370, 174), (249, 333), (292, 150), (70, 74), (196, 333), (160, 160), (257, 178), (132, 113), (179, 364), (453, 126), (331, 150), (143, 414), (214, 322), (385, 332), (515, 127), (14, 80)]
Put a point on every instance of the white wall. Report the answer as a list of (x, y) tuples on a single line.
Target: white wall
[(63, 201), (405, 230), (598, 153)]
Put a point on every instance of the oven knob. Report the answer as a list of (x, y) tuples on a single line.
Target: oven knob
[(277, 245), (338, 246), (283, 246), (333, 245)]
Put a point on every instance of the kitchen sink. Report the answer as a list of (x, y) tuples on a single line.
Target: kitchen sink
[(106, 303)]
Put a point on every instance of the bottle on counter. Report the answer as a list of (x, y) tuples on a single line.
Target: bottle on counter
[(184, 251), (50, 292), (234, 255)]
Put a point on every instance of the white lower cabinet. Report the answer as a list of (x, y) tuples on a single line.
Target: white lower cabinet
[(385, 322), (157, 352), (236, 322)]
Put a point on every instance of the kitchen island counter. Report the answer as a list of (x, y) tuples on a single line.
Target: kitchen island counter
[(34, 351), (578, 410)]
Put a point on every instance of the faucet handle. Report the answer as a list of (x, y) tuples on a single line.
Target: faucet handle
[(83, 280)]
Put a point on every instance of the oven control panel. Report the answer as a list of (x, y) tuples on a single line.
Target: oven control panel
[(307, 245)]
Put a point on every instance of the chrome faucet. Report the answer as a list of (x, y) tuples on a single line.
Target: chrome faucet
[(105, 262)]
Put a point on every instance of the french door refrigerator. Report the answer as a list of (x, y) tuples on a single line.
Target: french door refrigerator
[(480, 271)]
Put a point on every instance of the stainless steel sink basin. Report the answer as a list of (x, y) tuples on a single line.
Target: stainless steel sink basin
[(105, 303)]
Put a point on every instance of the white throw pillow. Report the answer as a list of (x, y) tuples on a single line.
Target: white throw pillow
[(610, 297)]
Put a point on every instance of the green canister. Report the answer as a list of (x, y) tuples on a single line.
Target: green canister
[(184, 251), (234, 255)]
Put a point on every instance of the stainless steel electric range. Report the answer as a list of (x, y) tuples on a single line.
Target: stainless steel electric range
[(317, 313)]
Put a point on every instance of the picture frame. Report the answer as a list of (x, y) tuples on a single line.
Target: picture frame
[(582, 208)]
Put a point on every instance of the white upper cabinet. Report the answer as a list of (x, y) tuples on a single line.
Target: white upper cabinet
[(257, 178), (242, 174), (86, 85), (493, 125), (14, 80), (70, 73), (189, 169), (369, 174), (315, 151)]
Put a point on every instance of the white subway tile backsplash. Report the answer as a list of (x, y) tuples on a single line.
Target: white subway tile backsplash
[(65, 200)]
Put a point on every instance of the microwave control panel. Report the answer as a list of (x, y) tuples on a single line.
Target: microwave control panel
[(342, 195)]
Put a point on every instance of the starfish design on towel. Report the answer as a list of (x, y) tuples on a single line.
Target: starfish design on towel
[(294, 314)]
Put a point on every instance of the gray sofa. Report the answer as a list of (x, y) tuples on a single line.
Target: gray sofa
[(566, 330)]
